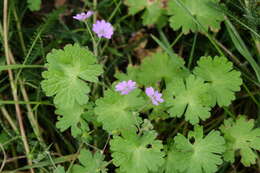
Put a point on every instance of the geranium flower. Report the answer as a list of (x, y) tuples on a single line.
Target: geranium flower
[(155, 96), (103, 29), (126, 87), (83, 16)]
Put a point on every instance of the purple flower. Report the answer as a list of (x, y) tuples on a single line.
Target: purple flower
[(83, 16), (103, 29), (155, 96), (126, 87)]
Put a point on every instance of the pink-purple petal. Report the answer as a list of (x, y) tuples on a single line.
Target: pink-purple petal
[(149, 91), (125, 87), (83, 16), (103, 29), (155, 96)]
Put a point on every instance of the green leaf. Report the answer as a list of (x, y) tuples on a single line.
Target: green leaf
[(223, 80), (131, 74), (167, 67), (34, 5), (71, 117), (135, 5), (4, 138), (117, 112), (188, 97), (68, 70), (160, 66), (59, 169), (89, 115), (153, 9), (137, 153), (243, 137), (199, 15), (196, 154), (159, 112), (152, 13), (90, 163)]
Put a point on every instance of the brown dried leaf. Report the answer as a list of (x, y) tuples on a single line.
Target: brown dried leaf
[(59, 3)]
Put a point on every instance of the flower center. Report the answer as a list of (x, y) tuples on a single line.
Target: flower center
[(102, 31)]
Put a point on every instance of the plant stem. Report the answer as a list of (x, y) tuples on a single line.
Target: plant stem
[(114, 11), (95, 9), (9, 119), (31, 117), (5, 158), (18, 66), (93, 40), (19, 28), (192, 50), (13, 87), (11, 102), (177, 39)]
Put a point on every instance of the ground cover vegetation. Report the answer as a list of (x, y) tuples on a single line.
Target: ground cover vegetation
[(130, 86)]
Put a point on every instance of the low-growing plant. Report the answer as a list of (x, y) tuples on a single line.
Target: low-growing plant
[(158, 114)]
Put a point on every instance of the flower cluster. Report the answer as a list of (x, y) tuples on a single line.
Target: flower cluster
[(101, 27), (126, 87)]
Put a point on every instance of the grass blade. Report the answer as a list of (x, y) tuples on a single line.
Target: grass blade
[(241, 47)]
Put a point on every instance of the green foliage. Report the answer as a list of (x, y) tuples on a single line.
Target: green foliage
[(167, 68), (137, 153), (72, 117), (35, 44), (241, 46), (199, 15), (160, 66), (222, 78), (243, 137), (3, 138), (189, 97), (90, 163), (202, 155), (128, 133), (132, 74), (34, 5), (68, 70), (59, 169), (213, 81), (153, 9), (135, 6), (117, 112)]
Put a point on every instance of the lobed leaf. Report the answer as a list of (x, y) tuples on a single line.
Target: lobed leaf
[(201, 155), (137, 153), (90, 163), (59, 169), (241, 136), (68, 71), (117, 112), (160, 66), (71, 117), (153, 9), (188, 97), (223, 80), (199, 15)]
